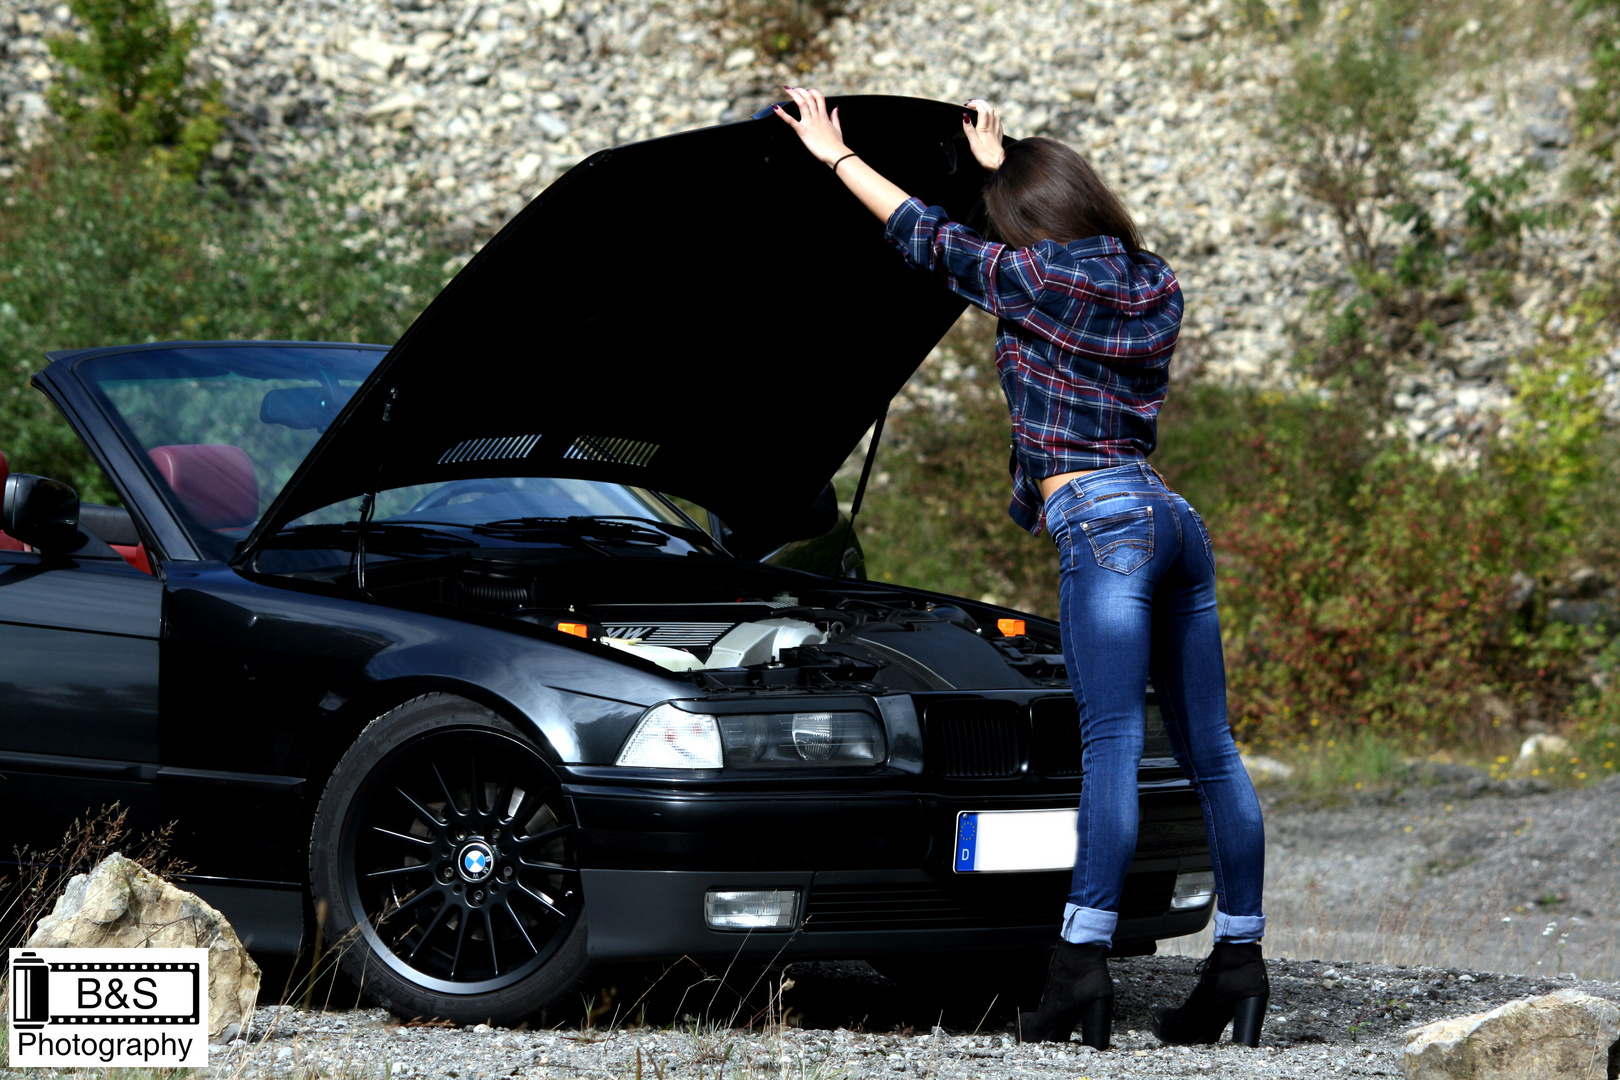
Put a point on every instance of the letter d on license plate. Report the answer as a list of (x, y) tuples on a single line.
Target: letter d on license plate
[(72, 1008)]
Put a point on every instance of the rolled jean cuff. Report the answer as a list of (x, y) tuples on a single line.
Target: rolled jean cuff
[(1088, 926), (1239, 929)]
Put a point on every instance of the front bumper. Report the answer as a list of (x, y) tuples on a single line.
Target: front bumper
[(872, 864)]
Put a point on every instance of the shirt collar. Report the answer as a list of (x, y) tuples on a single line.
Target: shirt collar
[(1094, 246)]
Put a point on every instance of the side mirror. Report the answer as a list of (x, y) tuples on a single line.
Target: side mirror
[(42, 513)]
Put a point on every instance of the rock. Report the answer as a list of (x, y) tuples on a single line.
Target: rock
[(554, 126), (1547, 136), (1577, 612), (1536, 748), (122, 905), (1586, 582), (389, 107), (527, 166), (1521, 592), (375, 51), (1567, 1035)]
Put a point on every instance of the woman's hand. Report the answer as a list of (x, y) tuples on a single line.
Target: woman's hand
[(985, 136), (822, 135)]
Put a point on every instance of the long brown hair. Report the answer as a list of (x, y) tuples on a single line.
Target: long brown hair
[(1045, 191)]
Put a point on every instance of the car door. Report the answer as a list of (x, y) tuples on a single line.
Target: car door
[(78, 693)]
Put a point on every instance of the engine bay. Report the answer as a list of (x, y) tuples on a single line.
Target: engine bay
[(750, 626)]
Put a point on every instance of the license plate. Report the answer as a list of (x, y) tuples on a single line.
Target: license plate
[(1003, 841)]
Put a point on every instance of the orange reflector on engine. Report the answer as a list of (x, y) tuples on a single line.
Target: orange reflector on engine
[(1011, 627), (578, 629)]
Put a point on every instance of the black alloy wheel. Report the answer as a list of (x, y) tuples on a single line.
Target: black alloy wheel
[(445, 851)]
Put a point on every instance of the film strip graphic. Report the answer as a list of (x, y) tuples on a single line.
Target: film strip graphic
[(31, 992)]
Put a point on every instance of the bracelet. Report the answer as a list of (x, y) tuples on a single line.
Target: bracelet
[(841, 160)]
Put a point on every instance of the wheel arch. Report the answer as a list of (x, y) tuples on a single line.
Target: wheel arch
[(377, 699)]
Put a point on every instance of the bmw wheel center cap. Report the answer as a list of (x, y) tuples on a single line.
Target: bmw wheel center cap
[(476, 861)]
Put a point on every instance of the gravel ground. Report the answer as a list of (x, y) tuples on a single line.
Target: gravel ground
[(1326, 1019), (1407, 889), (1451, 869)]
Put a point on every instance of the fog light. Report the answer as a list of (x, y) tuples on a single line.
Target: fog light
[(1193, 890), (753, 909)]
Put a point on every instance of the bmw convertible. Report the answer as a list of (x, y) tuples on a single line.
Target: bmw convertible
[(538, 639)]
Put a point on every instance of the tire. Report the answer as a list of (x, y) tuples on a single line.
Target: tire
[(444, 852)]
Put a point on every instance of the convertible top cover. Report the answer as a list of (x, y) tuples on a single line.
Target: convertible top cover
[(709, 314)]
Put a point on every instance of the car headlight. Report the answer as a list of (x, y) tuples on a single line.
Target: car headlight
[(802, 738), (670, 738)]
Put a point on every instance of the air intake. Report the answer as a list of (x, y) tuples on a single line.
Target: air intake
[(1056, 746), (611, 449), (974, 740), (510, 448)]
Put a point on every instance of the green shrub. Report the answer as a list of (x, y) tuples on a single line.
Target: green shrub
[(785, 29), (128, 85), (1383, 616), (99, 249), (1349, 112)]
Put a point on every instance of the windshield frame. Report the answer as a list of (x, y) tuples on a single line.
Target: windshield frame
[(206, 543)]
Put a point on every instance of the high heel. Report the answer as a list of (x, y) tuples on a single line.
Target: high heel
[(1247, 1016), (1232, 988), (1078, 990)]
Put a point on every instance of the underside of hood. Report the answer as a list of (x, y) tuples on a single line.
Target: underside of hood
[(709, 314)]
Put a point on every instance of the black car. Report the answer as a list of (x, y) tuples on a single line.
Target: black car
[(421, 642)]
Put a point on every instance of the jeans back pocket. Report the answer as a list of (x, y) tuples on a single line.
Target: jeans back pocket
[(1122, 542)]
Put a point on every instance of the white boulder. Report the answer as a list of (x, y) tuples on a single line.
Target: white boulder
[(1568, 1035), (120, 904)]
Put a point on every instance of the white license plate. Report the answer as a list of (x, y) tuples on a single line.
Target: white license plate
[(1003, 841)]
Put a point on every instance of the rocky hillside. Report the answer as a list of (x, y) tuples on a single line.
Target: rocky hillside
[(466, 108)]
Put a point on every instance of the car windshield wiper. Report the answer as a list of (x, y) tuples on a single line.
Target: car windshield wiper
[(392, 537)]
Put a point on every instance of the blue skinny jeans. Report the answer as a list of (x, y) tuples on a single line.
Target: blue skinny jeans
[(1137, 600)]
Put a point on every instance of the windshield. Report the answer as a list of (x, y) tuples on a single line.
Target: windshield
[(222, 428), (537, 518)]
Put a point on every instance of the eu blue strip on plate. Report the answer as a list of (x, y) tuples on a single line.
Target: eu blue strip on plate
[(967, 841)]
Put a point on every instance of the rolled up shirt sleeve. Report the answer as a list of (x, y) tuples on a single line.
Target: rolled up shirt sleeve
[(1003, 281), (1090, 297)]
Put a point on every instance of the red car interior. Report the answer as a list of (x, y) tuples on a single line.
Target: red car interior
[(7, 543), (135, 556), (216, 483)]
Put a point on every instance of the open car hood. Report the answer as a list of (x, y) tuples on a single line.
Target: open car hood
[(708, 314)]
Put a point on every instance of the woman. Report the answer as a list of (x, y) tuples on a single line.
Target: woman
[(1088, 323)]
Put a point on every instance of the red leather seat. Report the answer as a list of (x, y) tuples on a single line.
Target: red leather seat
[(215, 482), (7, 543)]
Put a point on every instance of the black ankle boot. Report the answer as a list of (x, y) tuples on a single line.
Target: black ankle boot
[(1232, 986), (1078, 990)]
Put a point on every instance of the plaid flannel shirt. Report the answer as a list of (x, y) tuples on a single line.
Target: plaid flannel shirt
[(1083, 347)]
